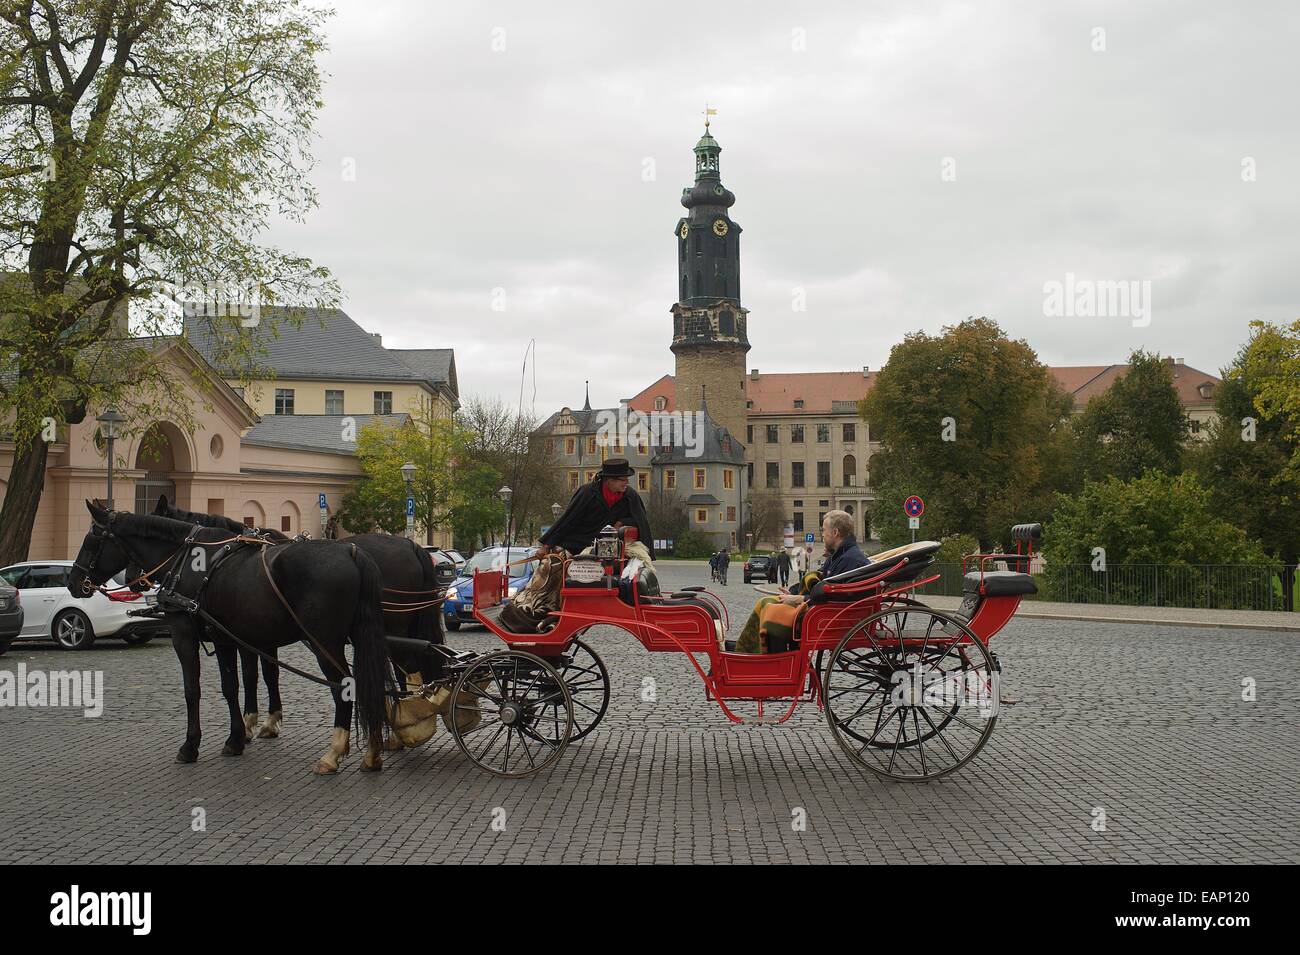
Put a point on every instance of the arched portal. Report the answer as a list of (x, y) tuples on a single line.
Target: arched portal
[(163, 454)]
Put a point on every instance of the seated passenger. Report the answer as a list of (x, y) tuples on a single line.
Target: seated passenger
[(770, 626)]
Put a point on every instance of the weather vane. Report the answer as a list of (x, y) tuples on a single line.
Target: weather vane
[(708, 111)]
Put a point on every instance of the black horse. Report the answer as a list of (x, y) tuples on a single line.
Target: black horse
[(325, 592), (409, 578)]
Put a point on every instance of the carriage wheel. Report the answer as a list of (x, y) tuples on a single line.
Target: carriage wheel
[(588, 683), (525, 713), (911, 693), (819, 662)]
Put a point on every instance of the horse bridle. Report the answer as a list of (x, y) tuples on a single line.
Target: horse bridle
[(102, 533)]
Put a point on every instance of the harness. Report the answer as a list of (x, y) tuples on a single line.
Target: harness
[(171, 600)]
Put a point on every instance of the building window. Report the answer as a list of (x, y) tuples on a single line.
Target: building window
[(550, 446), (383, 402), (589, 476), (850, 433), (850, 471), (568, 446), (284, 401), (670, 479), (798, 503), (823, 433), (796, 434), (640, 447), (798, 522), (248, 520), (773, 474), (286, 523), (333, 401), (701, 516), (821, 518), (823, 503), (748, 404), (591, 445), (700, 479), (573, 480), (823, 474), (731, 513), (729, 479), (796, 474), (1196, 426), (643, 482), (749, 434), (798, 404), (660, 402), (733, 538), (772, 437)]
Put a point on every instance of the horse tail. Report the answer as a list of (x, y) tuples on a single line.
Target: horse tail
[(369, 647), (428, 621)]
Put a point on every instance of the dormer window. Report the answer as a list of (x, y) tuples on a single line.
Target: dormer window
[(660, 402)]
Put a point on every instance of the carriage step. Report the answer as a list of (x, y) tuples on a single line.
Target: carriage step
[(762, 721)]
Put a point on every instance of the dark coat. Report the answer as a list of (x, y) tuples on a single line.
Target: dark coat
[(783, 562), (724, 559), (587, 513), (848, 556)]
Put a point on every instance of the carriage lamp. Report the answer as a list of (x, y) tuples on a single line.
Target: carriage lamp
[(108, 424)]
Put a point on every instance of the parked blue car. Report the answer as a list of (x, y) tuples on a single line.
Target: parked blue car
[(458, 608)]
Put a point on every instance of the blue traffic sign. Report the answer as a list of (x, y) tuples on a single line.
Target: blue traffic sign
[(808, 538), (321, 501), (410, 507)]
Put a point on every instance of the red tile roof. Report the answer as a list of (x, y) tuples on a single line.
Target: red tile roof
[(776, 393)]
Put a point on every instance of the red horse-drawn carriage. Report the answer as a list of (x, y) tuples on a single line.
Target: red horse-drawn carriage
[(909, 692)]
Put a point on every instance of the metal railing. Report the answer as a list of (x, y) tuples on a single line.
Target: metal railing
[(1212, 586)]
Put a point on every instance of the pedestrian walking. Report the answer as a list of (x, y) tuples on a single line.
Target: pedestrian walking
[(783, 567), (724, 561)]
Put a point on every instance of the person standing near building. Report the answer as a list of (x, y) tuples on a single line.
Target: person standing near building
[(724, 561), (783, 567)]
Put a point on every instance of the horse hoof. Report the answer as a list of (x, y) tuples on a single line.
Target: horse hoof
[(186, 756), (392, 744), (271, 728), (369, 767), (323, 768), (250, 724), (230, 750)]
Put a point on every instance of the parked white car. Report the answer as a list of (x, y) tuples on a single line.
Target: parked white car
[(52, 613)]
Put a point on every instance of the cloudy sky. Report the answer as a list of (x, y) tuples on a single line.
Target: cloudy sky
[(899, 166)]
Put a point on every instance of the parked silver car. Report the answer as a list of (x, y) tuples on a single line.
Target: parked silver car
[(52, 613)]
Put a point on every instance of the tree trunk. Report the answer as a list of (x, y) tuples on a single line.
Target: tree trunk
[(22, 498)]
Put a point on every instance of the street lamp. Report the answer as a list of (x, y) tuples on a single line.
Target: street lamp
[(505, 494), (108, 423), (408, 475), (557, 510)]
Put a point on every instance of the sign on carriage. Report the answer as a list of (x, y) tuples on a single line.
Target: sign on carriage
[(914, 506)]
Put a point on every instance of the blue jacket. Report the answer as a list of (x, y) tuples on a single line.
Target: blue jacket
[(848, 556)]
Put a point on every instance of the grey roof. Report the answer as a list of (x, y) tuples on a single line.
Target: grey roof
[(701, 500), (311, 432), (431, 364), (720, 446), (585, 417), (327, 344)]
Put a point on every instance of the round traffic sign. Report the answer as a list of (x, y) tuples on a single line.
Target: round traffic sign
[(914, 506)]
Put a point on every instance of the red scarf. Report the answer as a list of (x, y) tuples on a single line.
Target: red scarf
[(611, 497)]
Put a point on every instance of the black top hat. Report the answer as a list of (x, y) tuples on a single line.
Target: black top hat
[(616, 468)]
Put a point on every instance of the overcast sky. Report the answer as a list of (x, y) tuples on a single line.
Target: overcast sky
[(524, 169)]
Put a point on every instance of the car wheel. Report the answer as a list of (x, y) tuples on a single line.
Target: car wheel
[(453, 624), (137, 638), (72, 631)]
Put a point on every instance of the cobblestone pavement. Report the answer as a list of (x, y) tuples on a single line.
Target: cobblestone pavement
[(1144, 722)]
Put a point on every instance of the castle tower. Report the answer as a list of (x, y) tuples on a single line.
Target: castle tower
[(709, 337)]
